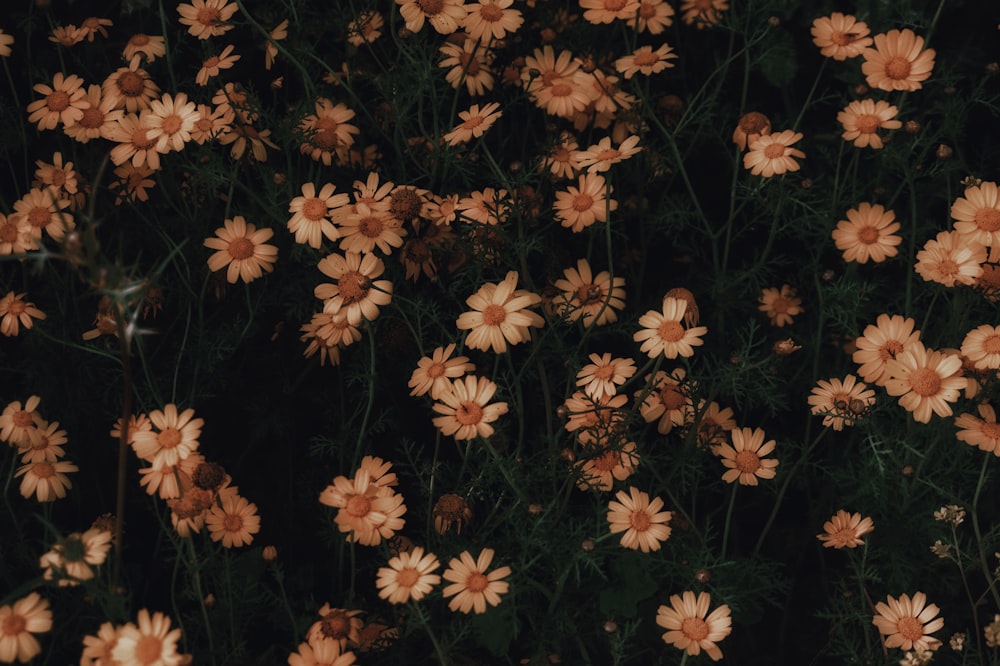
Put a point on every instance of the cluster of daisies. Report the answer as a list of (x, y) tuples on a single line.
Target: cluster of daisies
[(44, 470)]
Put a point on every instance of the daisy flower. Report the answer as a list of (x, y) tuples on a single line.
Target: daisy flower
[(554, 82), (840, 402), (558, 160), (44, 209), (466, 411), (357, 294), (499, 315), (489, 206), (67, 35), (212, 123), (780, 305), (234, 522), (336, 625), (46, 480), (771, 154), (691, 627), (594, 299), (44, 443), (311, 221), (19, 623), (907, 623), (666, 399), (365, 29), (170, 121), (17, 422), (136, 143), (601, 377), (639, 520), (97, 647), (366, 510), (130, 87), (60, 175), (862, 119), (367, 228), (326, 132), (840, 36), (982, 347), (601, 12), (882, 342), (240, 246), (451, 510), (844, 530), (982, 431), (899, 61), (703, 13), (72, 559), (578, 208), (471, 585), (93, 25), (925, 380), (594, 422), (601, 156), (655, 16), (745, 458), (663, 333), (713, 424), (492, 19), (470, 64), (15, 235), (474, 123), (207, 18), (408, 576), (215, 64), (751, 127), (601, 468), (321, 653), (951, 259), (149, 47), (434, 373), (977, 214), (445, 16), (132, 183), (176, 436), (243, 135), (644, 60), (99, 116), (62, 102), (150, 641), (17, 312), (868, 233), (5, 42)]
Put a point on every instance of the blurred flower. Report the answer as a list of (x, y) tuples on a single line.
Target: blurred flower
[(93, 25), (492, 19), (17, 312), (666, 398), (44, 443), (655, 16), (445, 16), (899, 61), (982, 432), (15, 235), (950, 259), (336, 625), (601, 12), (70, 561), (365, 29), (925, 380), (840, 36), (97, 648), (751, 127), (991, 632), (713, 424), (240, 246), (703, 13), (862, 119), (474, 123), (600, 156), (67, 35), (435, 372), (408, 577), (46, 480), (907, 623), (639, 520), (977, 214), (691, 627), (19, 623), (470, 64), (215, 64), (644, 60), (327, 653), (132, 183), (471, 587), (150, 47), (5, 42), (466, 411), (17, 422), (279, 33), (663, 333), (780, 305), (771, 154), (207, 18), (150, 641), (844, 530), (952, 514), (981, 346), (869, 232)]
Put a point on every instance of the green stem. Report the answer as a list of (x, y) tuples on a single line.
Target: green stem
[(441, 655), (729, 517)]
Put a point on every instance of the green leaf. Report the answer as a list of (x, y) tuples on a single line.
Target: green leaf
[(777, 64), (629, 583)]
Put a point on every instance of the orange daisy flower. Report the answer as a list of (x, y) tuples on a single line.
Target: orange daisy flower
[(16, 235), (94, 25), (499, 315), (170, 120), (212, 123), (982, 347), (771, 154), (17, 422), (408, 576), (136, 143), (471, 585), (951, 259), (367, 511), (99, 116), (207, 18), (745, 458), (327, 132), (466, 412), (470, 64), (130, 87), (780, 305), (336, 625), (868, 233), (215, 64), (357, 294), (435, 373), (899, 61), (882, 342), (240, 246), (703, 13), (578, 208), (149, 47), (977, 213), (601, 377), (445, 16), (601, 12), (666, 399), (663, 333), (44, 209), (132, 183), (639, 520), (982, 431), (176, 437), (367, 228), (713, 424), (62, 102), (47, 481), (840, 36), (45, 443), (925, 380), (691, 627), (492, 19), (311, 221), (844, 530), (233, 522), (19, 623), (601, 156), (655, 16), (603, 466), (644, 60), (862, 119), (907, 623), (841, 402), (321, 653), (365, 29), (751, 127), (474, 123), (150, 641), (17, 312)]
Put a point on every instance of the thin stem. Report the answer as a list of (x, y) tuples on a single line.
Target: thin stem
[(729, 517), (441, 655)]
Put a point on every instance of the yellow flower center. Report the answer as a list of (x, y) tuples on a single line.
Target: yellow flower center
[(353, 287), (314, 209), (589, 294), (646, 59), (57, 101), (39, 216), (988, 219), (169, 438), (325, 137), (22, 419), (747, 462), (910, 628), (172, 124), (868, 123), (868, 235), (469, 413), (208, 16), (583, 202), (672, 398), (370, 227), (241, 249), (639, 520), (494, 315), (358, 506), (139, 39), (12, 625), (670, 331), (774, 151), (561, 90), (232, 523), (473, 122), (148, 650), (141, 140), (131, 84), (925, 382), (336, 625), (44, 470), (604, 371), (8, 233), (695, 628), (991, 345), (435, 370), (431, 7), (490, 13), (780, 305), (407, 577), (889, 350), (897, 68), (476, 582), (614, 5)]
